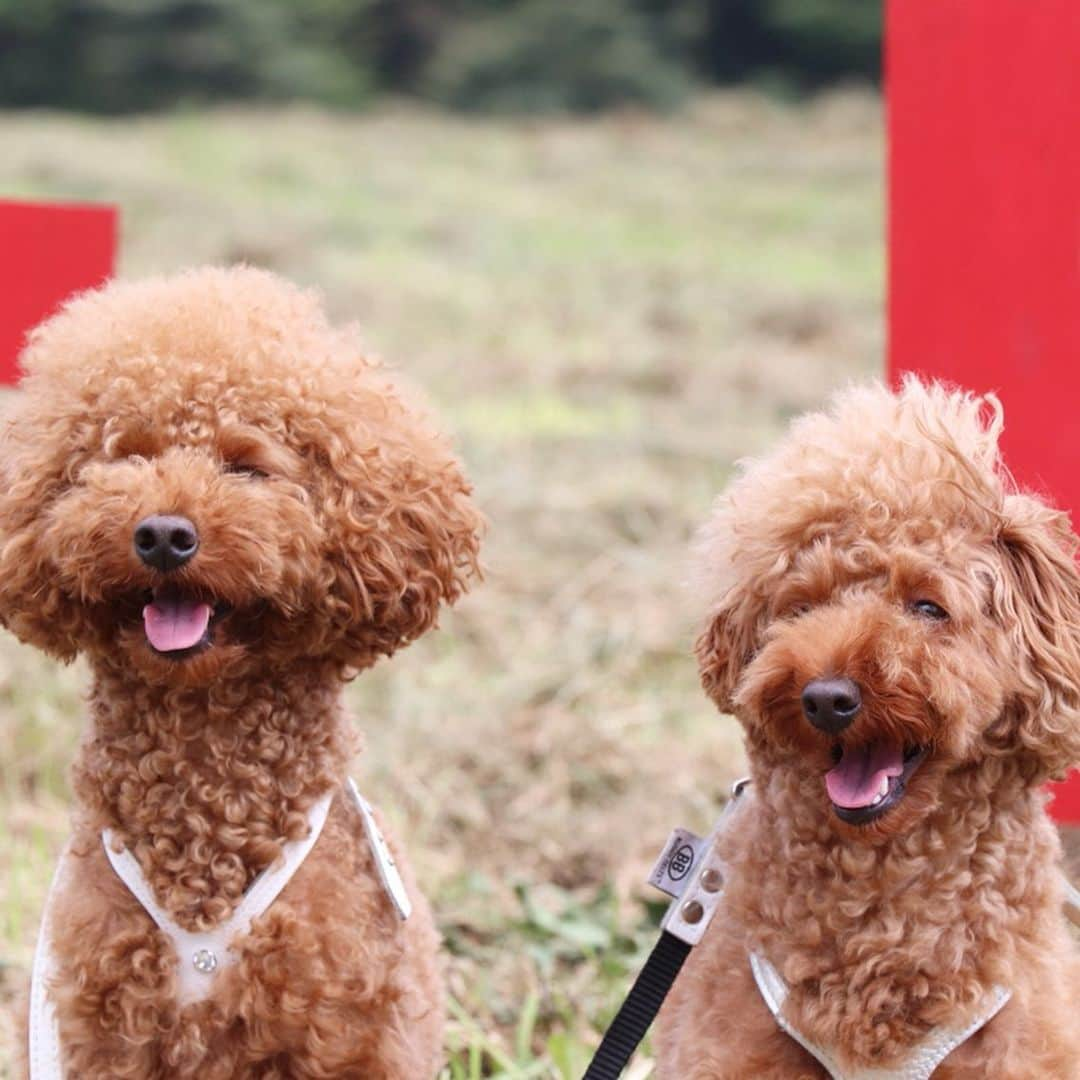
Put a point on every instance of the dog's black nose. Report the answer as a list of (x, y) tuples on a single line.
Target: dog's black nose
[(831, 704), (165, 542)]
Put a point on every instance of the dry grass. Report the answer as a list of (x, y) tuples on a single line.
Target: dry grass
[(607, 313)]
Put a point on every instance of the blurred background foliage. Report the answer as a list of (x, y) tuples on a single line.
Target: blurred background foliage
[(606, 312), (119, 56)]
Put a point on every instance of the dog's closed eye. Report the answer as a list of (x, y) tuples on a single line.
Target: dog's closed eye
[(241, 468), (791, 602), (132, 442), (246, 451)]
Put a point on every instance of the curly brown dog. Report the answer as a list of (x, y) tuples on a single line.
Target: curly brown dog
[(216, 499), (898, 632)]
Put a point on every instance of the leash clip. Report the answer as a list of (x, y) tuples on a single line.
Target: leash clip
[(690, 871)]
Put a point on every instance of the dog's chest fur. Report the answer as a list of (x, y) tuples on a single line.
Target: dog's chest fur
[(880, 944), (204, 788)]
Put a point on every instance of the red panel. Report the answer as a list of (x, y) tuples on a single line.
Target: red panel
[(1066, 804), (47, 252), (984, 229)]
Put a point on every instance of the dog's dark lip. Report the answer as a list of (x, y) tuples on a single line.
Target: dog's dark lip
[(864, 815), (220, 609)]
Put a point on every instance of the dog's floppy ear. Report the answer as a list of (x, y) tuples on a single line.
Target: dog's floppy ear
[(404, 531), (738, 578), (35, 455), (725, 647), (1039, 601)]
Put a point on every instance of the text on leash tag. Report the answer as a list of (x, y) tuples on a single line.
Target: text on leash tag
[(677, 861)]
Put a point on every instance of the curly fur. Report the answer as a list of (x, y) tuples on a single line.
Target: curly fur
[(813, 561), (333, 523)]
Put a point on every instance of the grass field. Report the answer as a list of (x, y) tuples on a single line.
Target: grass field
[(607, 313)]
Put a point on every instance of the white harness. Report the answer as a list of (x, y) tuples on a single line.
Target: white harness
[(200, 956), (923, 1058), (691, 872)]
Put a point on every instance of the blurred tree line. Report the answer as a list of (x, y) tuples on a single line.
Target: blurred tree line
[(520, 55)]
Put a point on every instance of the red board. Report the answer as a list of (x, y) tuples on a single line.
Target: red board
[(1066, 804), (47, 252), (984, 228)]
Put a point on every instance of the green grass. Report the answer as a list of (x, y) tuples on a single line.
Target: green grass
[(607, 313)]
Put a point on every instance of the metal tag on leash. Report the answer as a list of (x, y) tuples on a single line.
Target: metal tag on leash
[(690, 871), (677, 861), (384, 859)]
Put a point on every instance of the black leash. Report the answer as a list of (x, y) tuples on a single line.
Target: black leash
[(638, 1011), (690, 872)]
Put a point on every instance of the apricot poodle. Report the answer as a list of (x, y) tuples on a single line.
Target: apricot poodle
[(211, 495), (897, 629)]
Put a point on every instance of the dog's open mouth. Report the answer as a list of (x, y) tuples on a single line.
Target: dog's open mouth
[(178, 624), (868, 781)]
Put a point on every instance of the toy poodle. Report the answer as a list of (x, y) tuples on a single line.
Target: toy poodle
[(210, 494), (897, 629)]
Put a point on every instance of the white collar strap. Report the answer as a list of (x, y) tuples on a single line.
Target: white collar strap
[(1072, 902), (380, 851), (922, 1059), (44, 1033), (199, 956)]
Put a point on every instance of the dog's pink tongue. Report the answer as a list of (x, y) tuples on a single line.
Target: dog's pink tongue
[(857, 781), (175, 624)]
